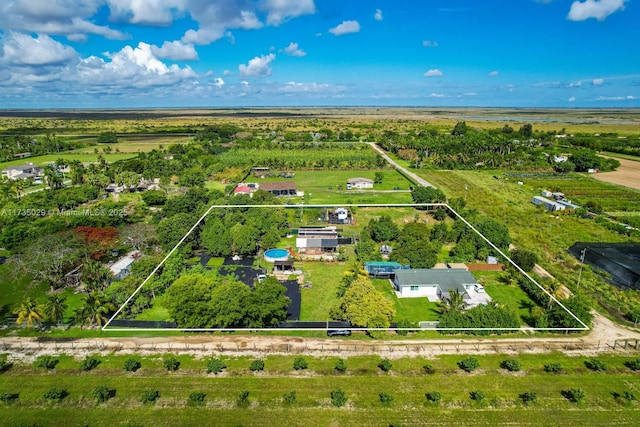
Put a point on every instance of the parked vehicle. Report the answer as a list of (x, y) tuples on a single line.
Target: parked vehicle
[(338, 333)]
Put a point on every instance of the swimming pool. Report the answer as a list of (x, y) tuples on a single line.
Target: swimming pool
[(273, 255)]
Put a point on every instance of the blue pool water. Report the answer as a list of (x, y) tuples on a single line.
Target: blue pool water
[(276, 255)]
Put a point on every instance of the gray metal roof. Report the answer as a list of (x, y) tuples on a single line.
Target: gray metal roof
[(449, 278)]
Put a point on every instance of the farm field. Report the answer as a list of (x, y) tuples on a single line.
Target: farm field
[(628, 174), (69, 155), (362, 383)]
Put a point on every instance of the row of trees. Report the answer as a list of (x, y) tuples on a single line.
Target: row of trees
[(94, 310)]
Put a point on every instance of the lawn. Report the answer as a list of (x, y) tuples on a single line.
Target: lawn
[(411, 309), (362, 383), (70, 155), (13, 289), (510, 295), (325, 278)]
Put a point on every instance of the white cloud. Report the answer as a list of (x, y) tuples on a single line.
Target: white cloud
[(616, 98), (145, 12), (176, 51), (215, 19), (218, 82), (294, 50), (470, 94), (433, 73), (71, 18), (258, 66), (346, 27), (429, 43), (227, 72), (597, 82), (378, 15), (279, 11), (598, 9), (575, 84), (244, 83), (22, 49), (437, 95), (494, 73), (571, 99)]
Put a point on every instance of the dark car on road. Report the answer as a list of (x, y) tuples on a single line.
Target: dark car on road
[(338, 333)]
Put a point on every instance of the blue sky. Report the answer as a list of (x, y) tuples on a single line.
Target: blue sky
[(218, 53)]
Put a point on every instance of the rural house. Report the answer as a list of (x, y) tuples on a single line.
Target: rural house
[(338, 216), (550, 205), (436, 284), (22, 172), (122, 268), (280, 188), (317, 240), (359, 183)]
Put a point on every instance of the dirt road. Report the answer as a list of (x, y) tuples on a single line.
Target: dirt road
[(628, 174), (406, 172)]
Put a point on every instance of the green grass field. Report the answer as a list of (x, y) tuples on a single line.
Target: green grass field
[(362, 383), (69, 155), (325, 279)]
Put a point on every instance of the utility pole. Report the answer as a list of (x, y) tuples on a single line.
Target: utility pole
[(584, 251)]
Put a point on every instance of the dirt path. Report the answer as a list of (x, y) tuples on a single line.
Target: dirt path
[(416, 178), (628, 174)]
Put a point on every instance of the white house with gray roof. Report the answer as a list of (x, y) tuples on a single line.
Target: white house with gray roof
[(22, 171), (436, 284)]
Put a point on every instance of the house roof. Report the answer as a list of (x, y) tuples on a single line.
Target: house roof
[(22, 167), (124, 262), (242, 189), (278, 185), (447, 279), (283, 263), (359, 179)]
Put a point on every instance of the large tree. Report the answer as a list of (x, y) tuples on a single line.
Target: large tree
[(267, 304), (94, 310)]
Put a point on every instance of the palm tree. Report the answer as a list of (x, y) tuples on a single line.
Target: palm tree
[(95, 309), (55, 307), (18, 186), (30, 311), (454, 302)]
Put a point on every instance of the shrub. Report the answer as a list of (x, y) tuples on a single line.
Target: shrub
[(528, 397), (433, 396), (132, 365), (340, 365), (257, 365), (385, 365), (574, 395), (300, 363), (243, 399), (149, 396), (428, 369), (404, 323), (8, 397), (477, 395), (553, 368), (629, 395), (171, 364), (197, 398), (469, 364), (89, 363), (4, 365), (102, 393), (595, 365), (46, 362), (510, 365), (385, 398), (55, 394), (338, 398), (215, 366), (634, 365), (289, 397)]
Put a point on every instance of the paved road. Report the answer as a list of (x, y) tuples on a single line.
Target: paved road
[(392, 162)]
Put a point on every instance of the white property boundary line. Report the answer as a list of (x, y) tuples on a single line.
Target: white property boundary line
[(392, 205)]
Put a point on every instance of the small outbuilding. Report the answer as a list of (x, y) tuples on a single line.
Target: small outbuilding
[(359, 183)]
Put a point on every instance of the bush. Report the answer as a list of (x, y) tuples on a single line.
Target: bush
[(56, 395), (89, 363), (595, 365), (433, 396), (102, 393), (4, 365), (132, 365), (404, 323), (338, 398), (553, 368), (385, 365), (8, 397), (629, 395), (634, 365), (215, 366), (528, 397), (300, 363), (340, 366), (385, 398), (257, 365), (289, 397), (477, 395), (428, 369), (510, 365), (243, 399), (626, 397), (149, 396), (171, 364), (469, 364), (197, 398), (46, 362), (574, 395)]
